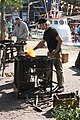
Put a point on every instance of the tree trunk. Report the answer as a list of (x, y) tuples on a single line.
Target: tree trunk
[(2, 36), (2, 21)]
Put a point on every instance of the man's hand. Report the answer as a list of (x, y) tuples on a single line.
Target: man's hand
[(52, 53), (26, 38)]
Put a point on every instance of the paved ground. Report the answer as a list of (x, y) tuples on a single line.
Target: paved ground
[(12, 108)]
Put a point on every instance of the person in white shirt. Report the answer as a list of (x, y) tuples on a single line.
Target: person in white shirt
[(21, 31)]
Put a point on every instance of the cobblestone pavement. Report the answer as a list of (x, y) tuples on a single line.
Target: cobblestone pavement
[(12, 108)]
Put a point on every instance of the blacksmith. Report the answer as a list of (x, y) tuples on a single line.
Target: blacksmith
[(54, 42)]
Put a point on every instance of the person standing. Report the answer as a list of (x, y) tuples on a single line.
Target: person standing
[(10, 26), (54, 42), (78, 30), (21, 31)]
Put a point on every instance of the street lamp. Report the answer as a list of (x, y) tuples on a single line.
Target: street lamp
[(31, 3), (45, 1)]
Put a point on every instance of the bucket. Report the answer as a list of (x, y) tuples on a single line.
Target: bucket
[(65, 57)]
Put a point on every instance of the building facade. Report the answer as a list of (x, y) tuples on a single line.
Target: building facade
[(33, 9)]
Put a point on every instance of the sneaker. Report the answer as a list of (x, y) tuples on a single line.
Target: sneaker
[(60, 89)]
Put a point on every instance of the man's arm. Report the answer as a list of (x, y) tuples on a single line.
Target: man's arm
[(59, 43), (58, 46), (26, 30), (25, 34), (40, 44)]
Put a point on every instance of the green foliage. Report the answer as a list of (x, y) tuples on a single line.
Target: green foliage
[(13, 4), (67, 112), (63, 113)]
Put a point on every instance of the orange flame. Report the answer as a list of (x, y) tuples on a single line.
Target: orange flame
[(30, 52)]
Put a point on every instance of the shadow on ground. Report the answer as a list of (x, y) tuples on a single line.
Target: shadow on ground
[(8, 100), (76, 69), (49, 114)]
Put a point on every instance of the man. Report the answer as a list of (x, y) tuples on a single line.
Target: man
[(54, 42), (21, 31)]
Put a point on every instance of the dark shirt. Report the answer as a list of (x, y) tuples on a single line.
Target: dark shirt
[(50, 37)]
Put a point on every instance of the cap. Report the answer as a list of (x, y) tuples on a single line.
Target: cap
[(42, 20), (18, 18)]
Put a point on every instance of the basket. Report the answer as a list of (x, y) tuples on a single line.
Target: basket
[(65, 57), (66, 99)]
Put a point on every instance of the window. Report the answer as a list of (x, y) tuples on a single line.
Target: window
[(55, 22), (36, 16), (14, 15), (24, 16), (25, 2), (61, 22)]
